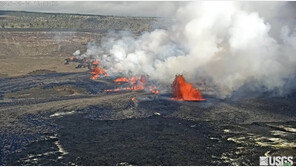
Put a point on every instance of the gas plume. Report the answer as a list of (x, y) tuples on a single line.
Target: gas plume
[(227, 45)]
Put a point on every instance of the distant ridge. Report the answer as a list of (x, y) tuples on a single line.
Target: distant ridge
[(11, 20), (63, 13)]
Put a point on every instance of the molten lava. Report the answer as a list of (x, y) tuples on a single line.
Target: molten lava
[(138, 84), (96, 63), (98, 72), (121, 79), (94, 77), (134, 84), (154, 90), (185, 91)]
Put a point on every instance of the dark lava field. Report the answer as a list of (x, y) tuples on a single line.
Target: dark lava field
[(68, 119)]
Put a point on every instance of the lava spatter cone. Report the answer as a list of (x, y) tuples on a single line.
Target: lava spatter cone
[(185, 91)]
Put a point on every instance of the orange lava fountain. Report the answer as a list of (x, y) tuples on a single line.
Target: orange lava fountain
[(185, 91)]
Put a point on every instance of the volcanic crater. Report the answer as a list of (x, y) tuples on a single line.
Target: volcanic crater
[(56, 114)]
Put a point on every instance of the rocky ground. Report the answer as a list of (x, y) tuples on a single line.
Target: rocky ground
[(67, 119), (23, 53)]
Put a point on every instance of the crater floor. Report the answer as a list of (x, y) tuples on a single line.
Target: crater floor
[(67, 119)]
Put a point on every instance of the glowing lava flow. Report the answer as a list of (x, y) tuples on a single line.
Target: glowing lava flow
[(121, 79), (98, 72), (154, 90), (134, 99), (134, 84), (95, 63), (185, 91)]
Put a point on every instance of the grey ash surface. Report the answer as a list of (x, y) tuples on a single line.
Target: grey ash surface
[(67, 119)]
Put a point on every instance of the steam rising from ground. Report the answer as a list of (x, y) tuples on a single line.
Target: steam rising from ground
[(225, 44)]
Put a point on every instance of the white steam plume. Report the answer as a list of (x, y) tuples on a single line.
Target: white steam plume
[(228, 44)]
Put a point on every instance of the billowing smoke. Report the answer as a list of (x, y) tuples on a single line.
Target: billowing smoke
[(226, 44)]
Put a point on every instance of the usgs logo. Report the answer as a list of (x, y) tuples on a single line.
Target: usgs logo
[(276, 161)]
